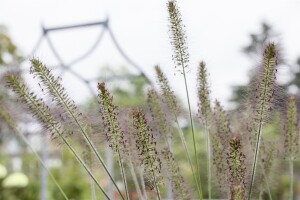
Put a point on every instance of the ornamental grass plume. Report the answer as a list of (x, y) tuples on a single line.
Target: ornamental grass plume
[(291, 139), (146, 146), (177, 181), (60, 97), (263, 100), (167, 92), (115, 137), (42, 113), (159, 116), (205, 115), (181, 59), (237, 170), (172, 104), (221, 131)]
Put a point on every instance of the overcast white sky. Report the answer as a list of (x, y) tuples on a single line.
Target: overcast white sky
[(216, 30)]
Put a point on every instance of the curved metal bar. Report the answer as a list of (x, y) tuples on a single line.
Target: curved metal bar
[(90, 51), (136, 66)]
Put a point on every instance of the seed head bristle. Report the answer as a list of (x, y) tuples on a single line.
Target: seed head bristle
[(167, 92), (157, 113), (222, 123), (203, 95), (266, 86), (178, 184), (237, 170), (35, 105), (146, 144), (7, 118), (291, 141), (109, 112), (219, 160), (178, 38), (56, 90)]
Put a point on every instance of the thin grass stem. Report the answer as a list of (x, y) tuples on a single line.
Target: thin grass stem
[(183, 141), (143, 183), (156, 185), (208, 149), (255, 160), (43, 164), (123, 175), (291, 166), (135, 180), (193, 133)]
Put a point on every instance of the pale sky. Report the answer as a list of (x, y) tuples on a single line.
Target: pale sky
[(216, 30)]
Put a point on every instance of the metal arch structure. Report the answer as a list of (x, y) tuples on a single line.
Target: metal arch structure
[(67, 67)]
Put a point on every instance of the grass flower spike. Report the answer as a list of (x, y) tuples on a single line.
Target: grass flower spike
[(113, 133), (168, 93), (205, 114), (264, 100), (147, 148), (178, 37), (291, 142), (42, 113), (170, 100), (237, 170), (178, 184), (181, 59), (59, 95)]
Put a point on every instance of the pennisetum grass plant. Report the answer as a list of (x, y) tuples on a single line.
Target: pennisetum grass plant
[(172, 104), (61, 98), (206, 115), (42, 113), (181, 59), (291, 139), (263, 101), (237, 170), (145, 153), (114, 135), (146, 146)]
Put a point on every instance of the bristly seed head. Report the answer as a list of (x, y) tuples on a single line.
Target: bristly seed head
[(237, 170), (177, 182), (291, 141), (158, 114), (35, 105), (203, 95), (266, 86), (109, 113), (146, 144), (178, 38), (168, 94)]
